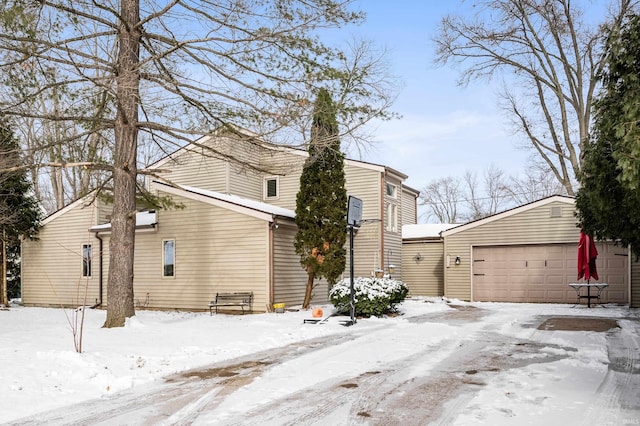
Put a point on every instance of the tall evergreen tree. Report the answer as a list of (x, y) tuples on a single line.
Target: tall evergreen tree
[(608, 201), (321, 204), (20, 214)]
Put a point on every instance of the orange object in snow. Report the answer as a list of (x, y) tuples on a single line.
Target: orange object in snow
[(316, 313)]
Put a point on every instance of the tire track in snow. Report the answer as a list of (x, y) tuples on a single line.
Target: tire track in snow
[(186, 393), (616, 400)]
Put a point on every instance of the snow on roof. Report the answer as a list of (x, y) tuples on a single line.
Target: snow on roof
[(425, 230), (245, 202), (146, 218)]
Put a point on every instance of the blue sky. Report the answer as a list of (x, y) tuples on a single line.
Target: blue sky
[(446, 129)]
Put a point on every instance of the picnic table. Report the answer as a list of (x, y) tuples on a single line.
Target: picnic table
[(581, 295)]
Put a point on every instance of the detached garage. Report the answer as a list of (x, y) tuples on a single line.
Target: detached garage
[(527, 254)]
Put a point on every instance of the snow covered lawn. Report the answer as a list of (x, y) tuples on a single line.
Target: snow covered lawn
[(590, 377)]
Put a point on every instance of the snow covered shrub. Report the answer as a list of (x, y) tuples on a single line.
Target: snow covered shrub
[(373, 296)]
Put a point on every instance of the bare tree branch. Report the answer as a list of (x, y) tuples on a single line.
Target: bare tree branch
[(552, 53)]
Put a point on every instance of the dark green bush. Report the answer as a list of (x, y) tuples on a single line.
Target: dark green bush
[(373, 296)]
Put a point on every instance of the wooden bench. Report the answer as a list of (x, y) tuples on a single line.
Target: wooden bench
[(240, 299)]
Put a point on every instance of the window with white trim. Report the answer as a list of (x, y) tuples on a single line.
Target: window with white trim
[(271, 187), (87, 254), (392, 217), (168, 258), (391, 190)]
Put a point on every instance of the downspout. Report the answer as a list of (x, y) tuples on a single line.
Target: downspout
[(382, 222), (272, 225), (100, 274)]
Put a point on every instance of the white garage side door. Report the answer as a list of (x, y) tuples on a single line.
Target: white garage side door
[(541, 273)]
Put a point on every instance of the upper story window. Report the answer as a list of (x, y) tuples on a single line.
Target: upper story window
[(168, 258), (391, 190), (392, 217), (271, 187), (87, 254)]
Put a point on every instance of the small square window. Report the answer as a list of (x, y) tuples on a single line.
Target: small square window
[(391, 190), (271, 187)]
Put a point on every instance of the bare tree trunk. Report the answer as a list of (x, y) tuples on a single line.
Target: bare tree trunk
[(120, 284), (307, 293), (57, 186)]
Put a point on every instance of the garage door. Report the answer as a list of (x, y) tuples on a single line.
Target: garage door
[(541, 273)]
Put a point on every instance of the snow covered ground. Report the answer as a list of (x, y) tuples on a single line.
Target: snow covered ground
[(501, 368)]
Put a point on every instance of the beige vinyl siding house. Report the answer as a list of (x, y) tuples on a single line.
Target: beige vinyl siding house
[(235, 231), (53, 265), (284, 166), (527, 254)]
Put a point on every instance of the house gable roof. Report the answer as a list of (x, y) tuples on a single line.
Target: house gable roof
[(193, 147), (510, 212), (241, 205)]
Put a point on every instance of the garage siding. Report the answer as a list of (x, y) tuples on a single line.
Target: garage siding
[(547, 222), (635, 282)]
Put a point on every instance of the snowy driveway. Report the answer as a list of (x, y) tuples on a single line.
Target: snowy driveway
[(458, 363)]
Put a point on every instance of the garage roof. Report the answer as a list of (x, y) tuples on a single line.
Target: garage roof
[(424, 230), (510, 212)]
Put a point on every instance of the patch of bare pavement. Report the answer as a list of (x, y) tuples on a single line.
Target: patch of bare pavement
[(412, 390)]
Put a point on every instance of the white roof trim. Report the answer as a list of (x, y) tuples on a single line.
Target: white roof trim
[(234, 203), (511, 212)]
